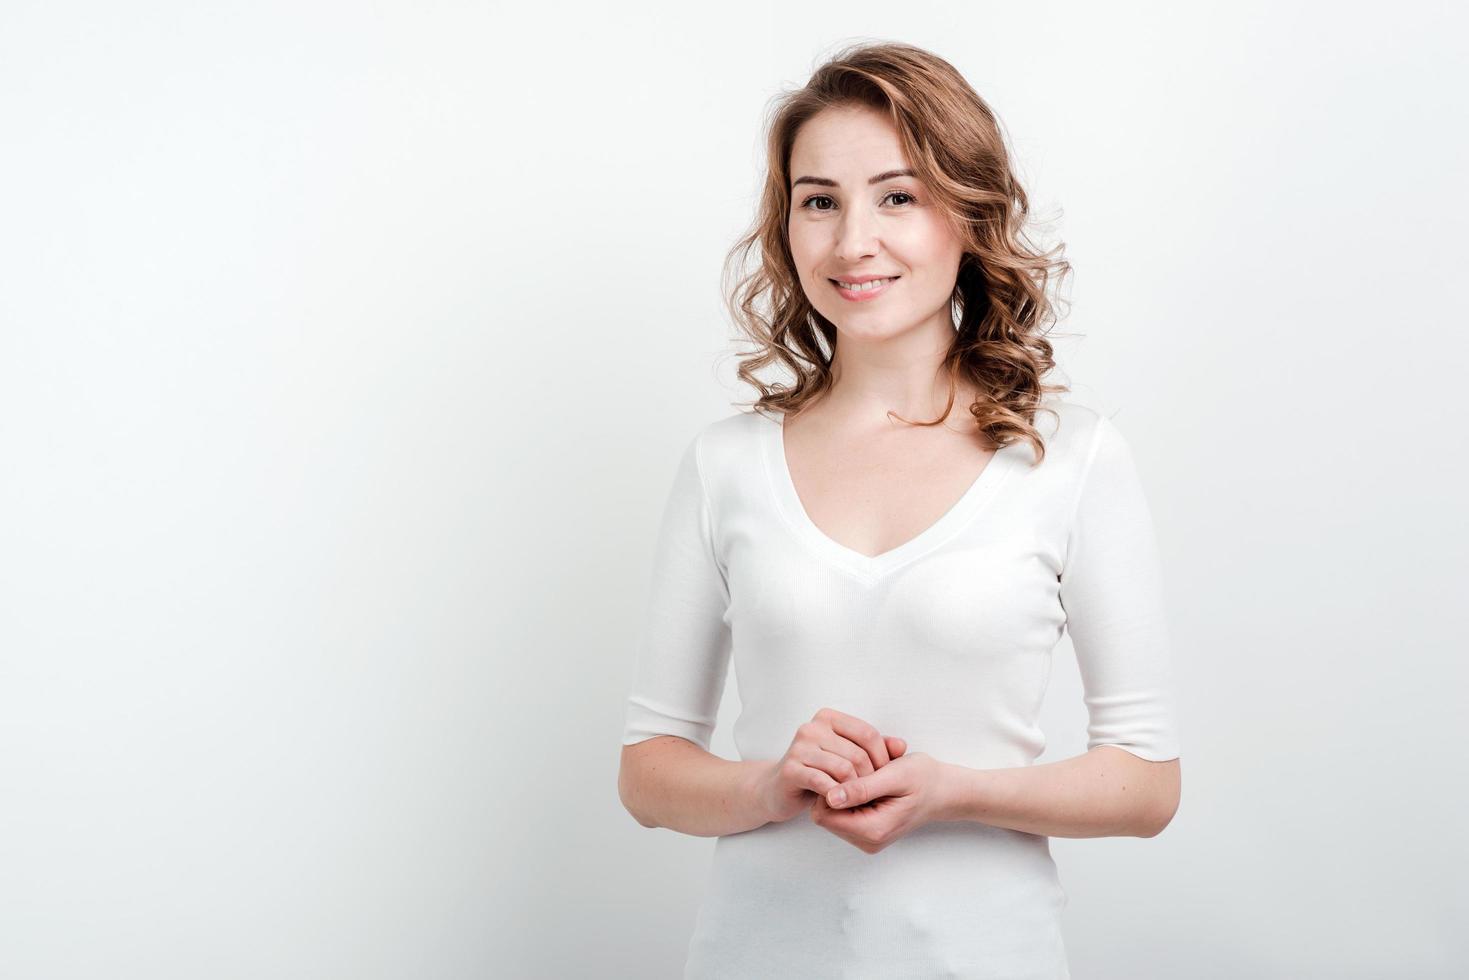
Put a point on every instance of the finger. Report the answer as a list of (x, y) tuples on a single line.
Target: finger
[(896, 746), (819, 808), (821, 814), (817, 782), (797, 777), (858, 731), (851, 751), (884, 782), (821, 811), (843, 796), (837, 766)]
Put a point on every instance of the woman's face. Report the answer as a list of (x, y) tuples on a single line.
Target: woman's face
[(845, 226)]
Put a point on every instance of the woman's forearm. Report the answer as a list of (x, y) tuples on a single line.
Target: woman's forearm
[(670, 782), (1106, 792)]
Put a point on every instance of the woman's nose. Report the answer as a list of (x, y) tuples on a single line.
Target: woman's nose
[(856, 236)]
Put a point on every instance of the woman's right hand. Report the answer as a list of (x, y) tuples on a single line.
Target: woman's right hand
[(831, 748)]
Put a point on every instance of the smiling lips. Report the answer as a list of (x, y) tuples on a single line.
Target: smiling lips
[(864, 291)]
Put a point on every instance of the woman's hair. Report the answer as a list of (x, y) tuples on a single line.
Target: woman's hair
[(954, 144)]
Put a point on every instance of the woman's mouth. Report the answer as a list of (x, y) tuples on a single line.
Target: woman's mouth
[(865, 291)]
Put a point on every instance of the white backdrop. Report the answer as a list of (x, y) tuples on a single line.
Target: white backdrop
[(346, 351)]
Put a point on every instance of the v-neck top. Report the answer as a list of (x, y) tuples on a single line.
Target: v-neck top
[(869, 567), (945, 641)]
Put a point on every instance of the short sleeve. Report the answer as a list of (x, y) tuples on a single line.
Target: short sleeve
[(1111, 590), (684, 646)]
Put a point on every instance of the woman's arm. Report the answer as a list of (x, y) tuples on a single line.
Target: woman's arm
[(1106, 792), (1111, 588), (670, 782), (668, 777)]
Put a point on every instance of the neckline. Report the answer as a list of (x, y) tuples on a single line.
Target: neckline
[(869, 568)]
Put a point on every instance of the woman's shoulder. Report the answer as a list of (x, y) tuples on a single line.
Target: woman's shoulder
[(735, 434), (1067, 428), (1069, 415), (1084, 440), (729, 446)]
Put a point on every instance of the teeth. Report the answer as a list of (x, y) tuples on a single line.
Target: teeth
[(865, 286)]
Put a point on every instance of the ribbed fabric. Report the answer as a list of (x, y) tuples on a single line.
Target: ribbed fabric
[(945, 641)]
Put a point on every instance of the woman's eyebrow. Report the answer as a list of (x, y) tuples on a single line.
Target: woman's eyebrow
[(828, 182)]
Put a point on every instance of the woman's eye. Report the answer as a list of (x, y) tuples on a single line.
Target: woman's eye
[(810, 201)]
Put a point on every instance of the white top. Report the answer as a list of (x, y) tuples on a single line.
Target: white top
[(945, 641)]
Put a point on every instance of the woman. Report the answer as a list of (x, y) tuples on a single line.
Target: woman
[(890, 556)]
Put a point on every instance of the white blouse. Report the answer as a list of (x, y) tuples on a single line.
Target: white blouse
[(944, 641)]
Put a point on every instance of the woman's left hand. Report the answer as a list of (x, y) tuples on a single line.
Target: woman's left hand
[(882, 807)]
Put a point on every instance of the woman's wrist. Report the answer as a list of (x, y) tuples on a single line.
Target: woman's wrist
[(752, 794), (960, 791)]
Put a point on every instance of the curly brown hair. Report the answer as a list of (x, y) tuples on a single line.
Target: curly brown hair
[(953, 142)]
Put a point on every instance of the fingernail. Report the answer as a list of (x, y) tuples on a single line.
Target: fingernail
[(838, 797)]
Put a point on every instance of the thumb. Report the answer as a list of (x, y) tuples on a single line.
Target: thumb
[(882, 782)]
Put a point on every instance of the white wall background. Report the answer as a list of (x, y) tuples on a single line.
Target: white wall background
[(346, 350)]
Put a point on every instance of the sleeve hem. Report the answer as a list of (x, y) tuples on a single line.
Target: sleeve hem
[(1161, 753), (643, 721)]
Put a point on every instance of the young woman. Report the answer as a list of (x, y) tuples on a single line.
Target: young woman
[(889, 549)]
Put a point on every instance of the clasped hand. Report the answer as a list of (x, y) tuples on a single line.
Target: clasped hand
[(887, 792)]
